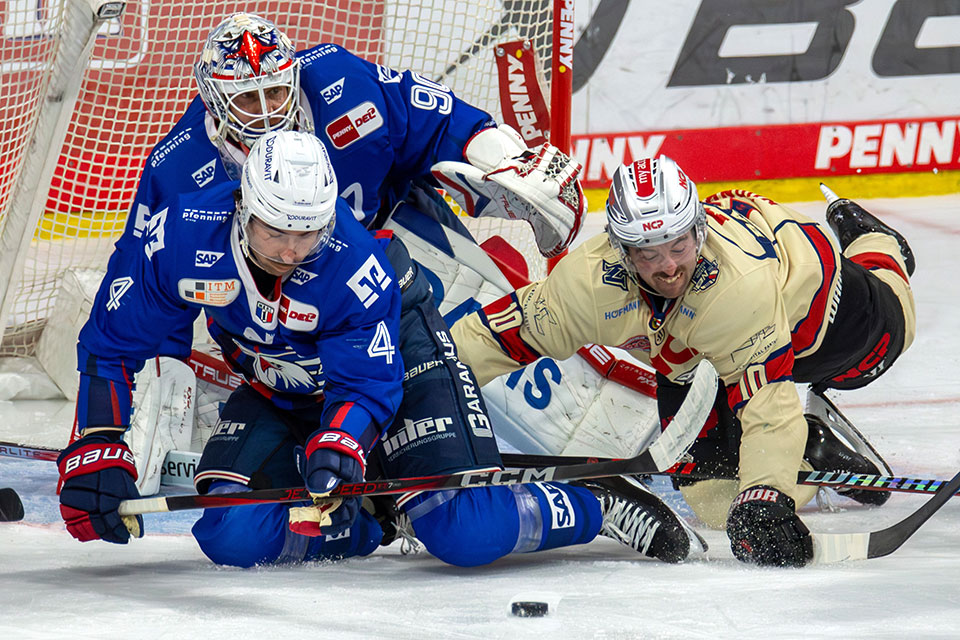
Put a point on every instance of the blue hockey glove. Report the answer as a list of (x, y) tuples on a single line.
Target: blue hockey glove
[(98, 472), (329, 459)]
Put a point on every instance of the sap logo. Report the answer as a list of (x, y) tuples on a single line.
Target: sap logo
[(204, 174), (332, 93), (300, 276), (652, 225), (207, 258), (562, 515), (539, 393), (414, 430)]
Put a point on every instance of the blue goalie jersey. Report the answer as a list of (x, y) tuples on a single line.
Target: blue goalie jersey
[(325, 334), (381, 128)]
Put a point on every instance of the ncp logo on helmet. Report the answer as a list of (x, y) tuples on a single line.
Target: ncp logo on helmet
[(288, 197), (249, 78), (656, 223)]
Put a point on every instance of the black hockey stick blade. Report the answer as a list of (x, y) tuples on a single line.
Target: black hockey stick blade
[(11, 508), (837, 547)]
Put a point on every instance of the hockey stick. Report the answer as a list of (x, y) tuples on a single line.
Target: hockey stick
[(179, 467), (662, 454), (829, 479), (829, 548)]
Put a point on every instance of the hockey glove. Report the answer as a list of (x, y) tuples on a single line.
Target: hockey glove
[(330, 458), (98, 472), (505, 179), (764, 529)]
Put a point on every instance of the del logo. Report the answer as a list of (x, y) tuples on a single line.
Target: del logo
[(207, 258), (333, 92), (264, 312), (215, 293), (705, 275), (297, 316), (204, 174), (360, 121)]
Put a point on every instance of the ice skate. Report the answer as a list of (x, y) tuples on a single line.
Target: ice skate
[(850, 221), (634, 516)]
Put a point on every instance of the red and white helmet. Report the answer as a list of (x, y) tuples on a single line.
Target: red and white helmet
[(288, 184), (247, 54), (651, 202)]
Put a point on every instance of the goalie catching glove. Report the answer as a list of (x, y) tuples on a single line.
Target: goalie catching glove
[(330, 458), (505, 179)]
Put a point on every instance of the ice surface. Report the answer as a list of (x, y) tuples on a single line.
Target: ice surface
[(162, 586)]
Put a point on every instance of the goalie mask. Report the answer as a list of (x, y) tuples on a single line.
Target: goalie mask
[(249, 78), (652, 202), (288, 198)]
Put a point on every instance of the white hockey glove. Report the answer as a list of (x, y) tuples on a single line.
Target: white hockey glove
[(505, 179)]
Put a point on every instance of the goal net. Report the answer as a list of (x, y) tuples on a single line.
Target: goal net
[(83, 102)]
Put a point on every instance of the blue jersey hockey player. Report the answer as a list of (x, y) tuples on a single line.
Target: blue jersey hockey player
[(384, 130), (306, 306)]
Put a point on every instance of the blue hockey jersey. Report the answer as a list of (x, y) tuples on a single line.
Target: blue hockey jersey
[(328, 333), (381, 128)]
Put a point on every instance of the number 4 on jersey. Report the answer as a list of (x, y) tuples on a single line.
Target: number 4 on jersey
[(381, 345)]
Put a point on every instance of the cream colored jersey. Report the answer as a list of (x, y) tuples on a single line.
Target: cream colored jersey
[(761, 294)]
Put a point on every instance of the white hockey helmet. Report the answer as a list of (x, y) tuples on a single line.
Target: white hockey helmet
[(288, 184), (651, 202), (248, 56)]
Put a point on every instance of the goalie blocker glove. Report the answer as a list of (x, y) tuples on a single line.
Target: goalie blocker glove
[(505, 179), (98, 472), (764, 529), (331, 457)]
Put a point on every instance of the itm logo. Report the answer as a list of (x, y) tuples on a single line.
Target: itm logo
[(204, 174)]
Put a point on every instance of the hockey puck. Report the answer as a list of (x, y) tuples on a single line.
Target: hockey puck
[(11, 509), (529, 609)]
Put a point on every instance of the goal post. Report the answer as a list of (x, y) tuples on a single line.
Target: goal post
[(84, 101)]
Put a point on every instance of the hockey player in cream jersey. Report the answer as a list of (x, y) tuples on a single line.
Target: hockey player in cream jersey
[(762, 292)]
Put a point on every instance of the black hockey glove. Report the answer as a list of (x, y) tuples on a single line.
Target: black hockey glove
[(764, 529)]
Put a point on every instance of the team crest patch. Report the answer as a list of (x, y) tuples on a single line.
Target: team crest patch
[(264, 312), (215, 293), (614, 274), (705, 275), (636, 342)]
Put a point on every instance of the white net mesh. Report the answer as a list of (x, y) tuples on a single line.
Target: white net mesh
[(139, 81)]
